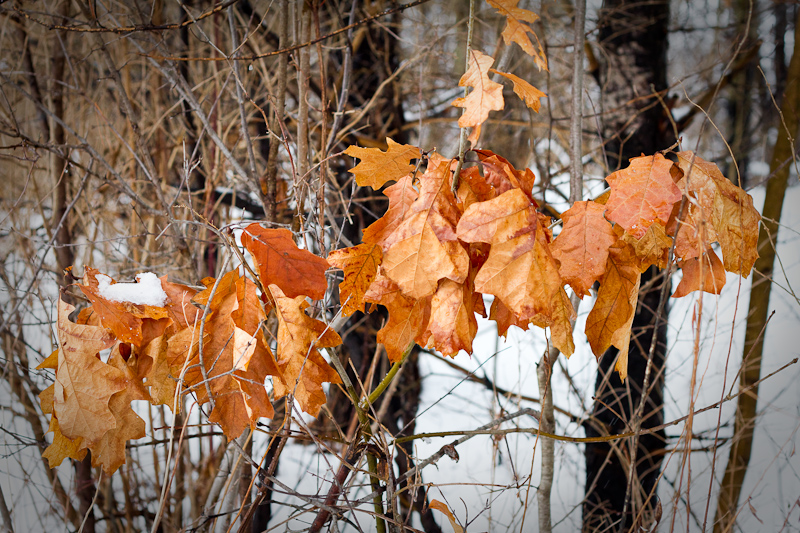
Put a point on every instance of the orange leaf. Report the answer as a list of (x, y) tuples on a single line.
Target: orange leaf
[(235, 357), (401, 196), (711, 280), (652, 248), (279, 261), (520, 269), (360, 264), (609, 322), (516, 30), (452, 323), (179, 303), (500, 219), (84, 384), (727, 208), (424, 248), (299, 338), (526, 92), (505, 318), (582, 246), (502, 175), (486, 95), (377, 167), (442, 508), (407, 321), (109, 451), (62, 447), (641, 194)]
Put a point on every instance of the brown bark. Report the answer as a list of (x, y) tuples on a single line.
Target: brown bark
[(758, 310)]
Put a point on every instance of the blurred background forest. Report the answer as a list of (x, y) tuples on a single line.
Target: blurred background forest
[(134, 135)]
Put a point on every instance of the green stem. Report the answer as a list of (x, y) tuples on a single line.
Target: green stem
[(387, 380)]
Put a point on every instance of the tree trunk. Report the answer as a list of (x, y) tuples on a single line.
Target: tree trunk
[(634, 38), (758, 310)]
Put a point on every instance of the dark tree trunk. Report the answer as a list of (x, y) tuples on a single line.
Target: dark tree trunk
[(634, 40)]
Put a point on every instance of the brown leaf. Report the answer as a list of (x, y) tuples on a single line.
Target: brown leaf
[(299, 340), (279, 261), (179, 303), (486, 95), (609, 321), (452, 323), (727, 208), (115, 316), (407, 321), (582, 246), (516, 30), (505, 318), (502, 218), (442, 508), (377, 167), (424, 248), (472, 187), (652, 248), (526, 92), (360, 264), (109, 452), (711, 280), (235, 357), (520, 269), (62, 447), (641, 194), (502, 175), (401, 196), (84, 384)]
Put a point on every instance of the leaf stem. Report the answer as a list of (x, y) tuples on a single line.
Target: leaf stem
[(387, 380)]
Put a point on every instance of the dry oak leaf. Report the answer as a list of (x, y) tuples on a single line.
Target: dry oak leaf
[(711, 279), (115, 316), (62, 447), (377, 167), (442, 508), (109, 451), (179, 303), (520, 270), (641, 194), (84, 384), (424, 248), (401, 196), (360, 265), (582, 246), (486, 95), (279, 261), (652, 248), (235, 357), (609, 322), (526, 92), (407, 321), (299, 339), (502, 175), (732, 215), (517, 29), (505, 318), (452, 325), (472, 187)]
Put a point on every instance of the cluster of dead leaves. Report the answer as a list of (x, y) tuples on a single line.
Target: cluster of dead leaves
[(487, 95), (430, 259), (209, 343)]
